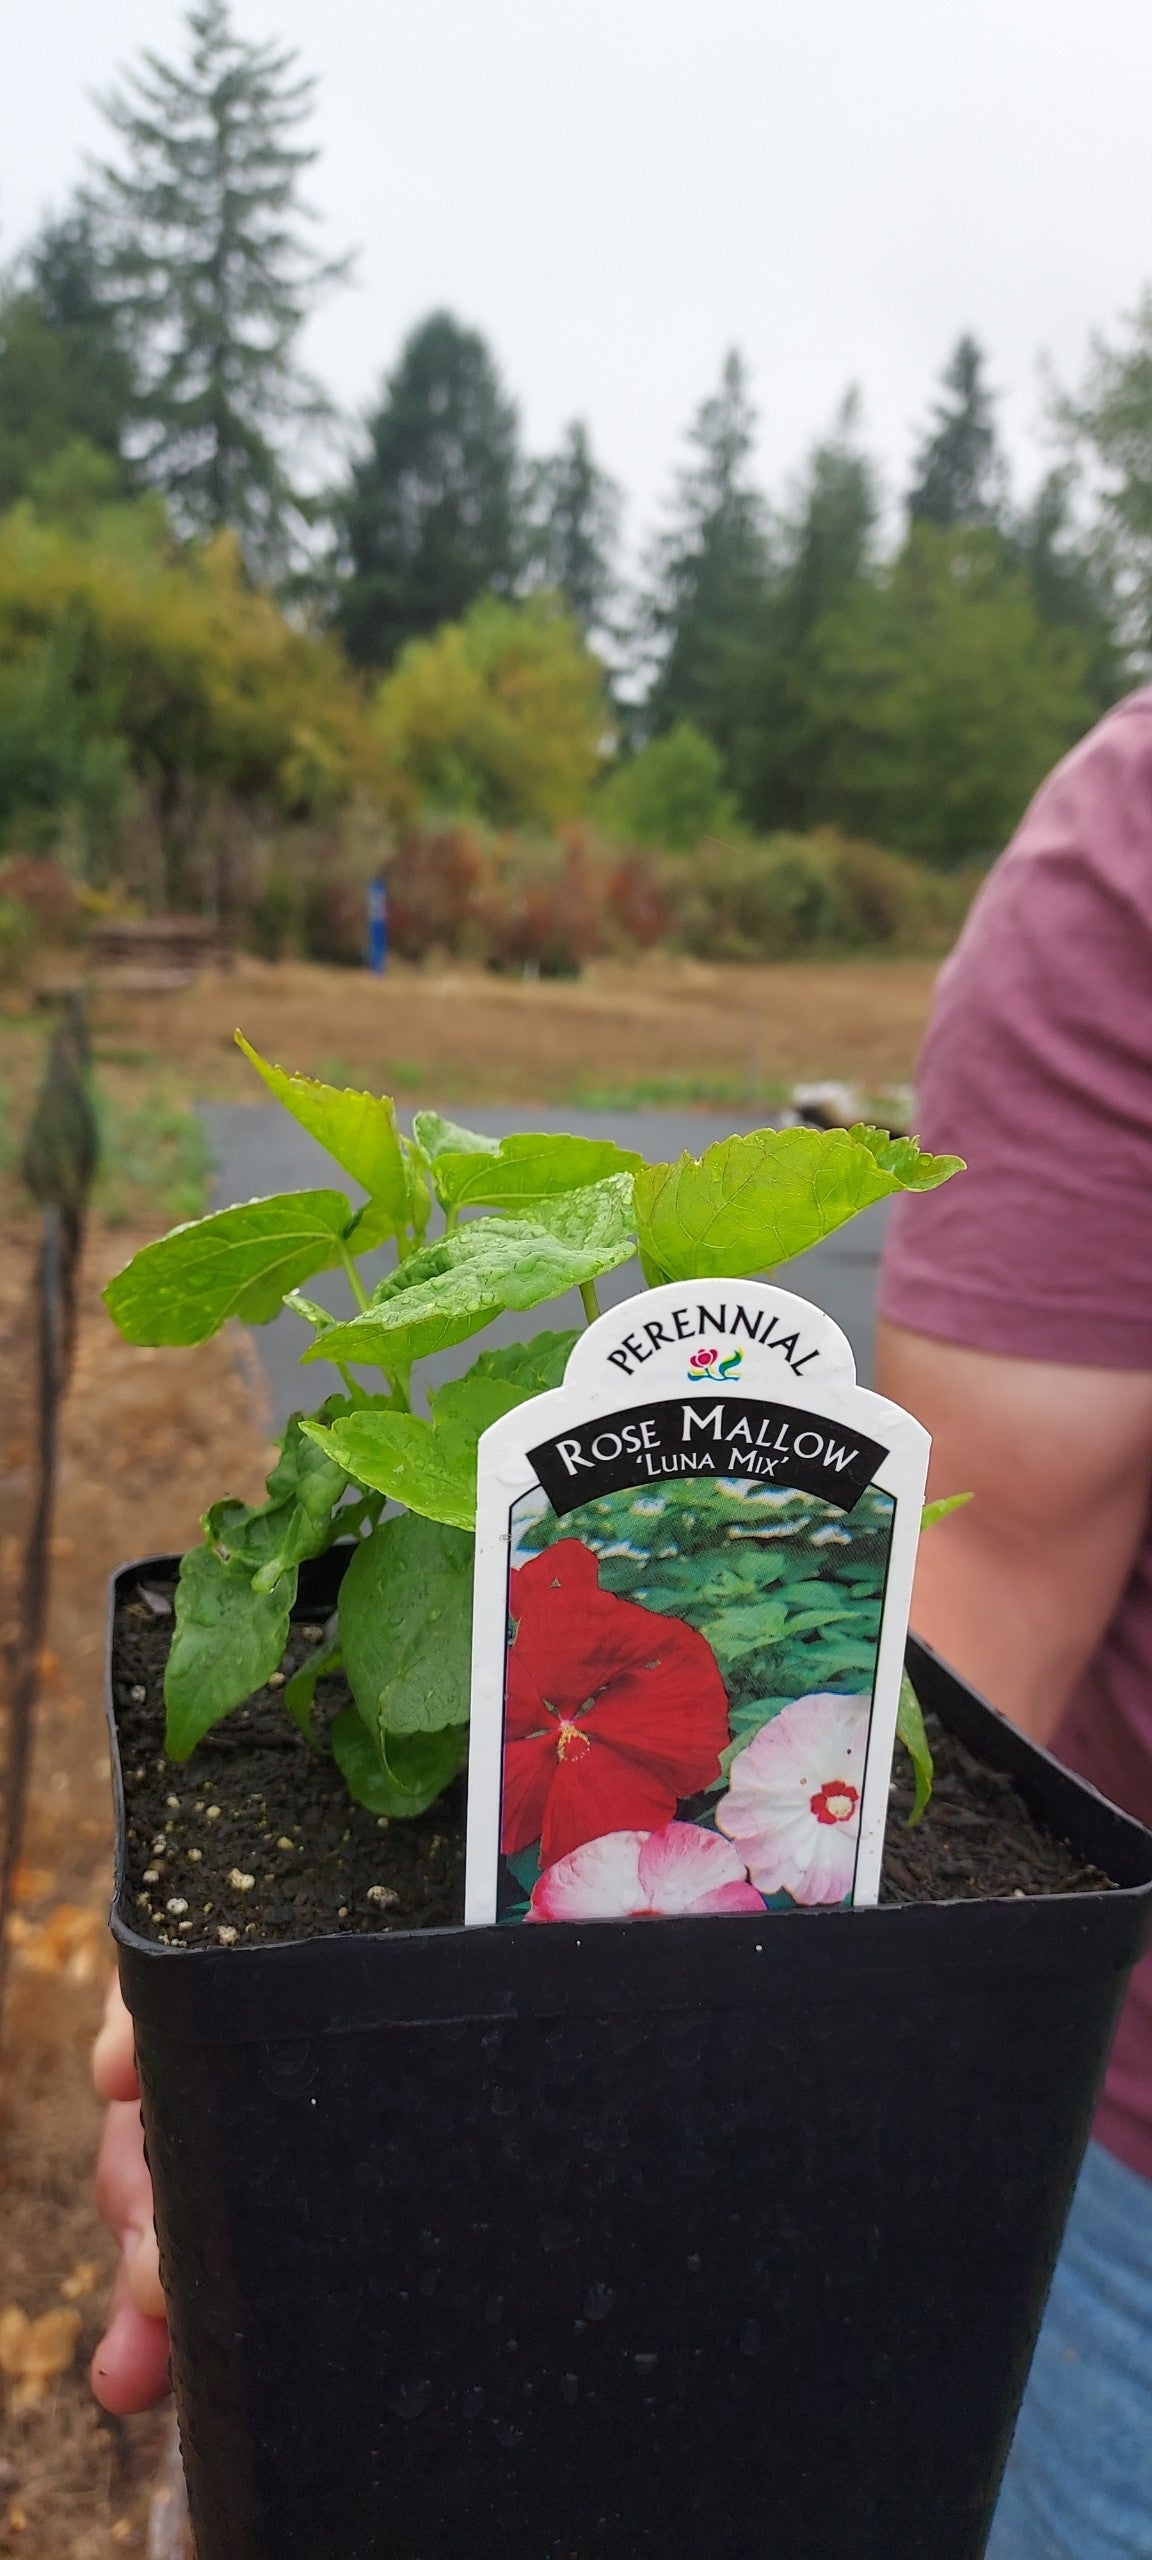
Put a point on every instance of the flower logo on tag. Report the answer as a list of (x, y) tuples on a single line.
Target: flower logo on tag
[(706, 1365)]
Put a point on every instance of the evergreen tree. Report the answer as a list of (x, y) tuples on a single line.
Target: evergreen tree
[(826, 548), (712, 569), (943, 698), (960, 476), (64, 375), (202, 234), (1108, 425), (1070, 576), (429, 516), (573, 513), (829, 537)]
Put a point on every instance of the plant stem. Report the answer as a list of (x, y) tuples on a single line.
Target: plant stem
[(451, 1218), (354, 1281), (357, 1394), (591, 1301), (398, 1383)]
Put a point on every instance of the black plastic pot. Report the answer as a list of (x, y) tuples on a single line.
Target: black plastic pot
[(714, 2240)]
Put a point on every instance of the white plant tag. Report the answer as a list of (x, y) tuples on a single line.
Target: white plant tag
[(694, 1565)]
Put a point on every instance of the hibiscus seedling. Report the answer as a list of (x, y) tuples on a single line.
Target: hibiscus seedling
[(522, 1221)]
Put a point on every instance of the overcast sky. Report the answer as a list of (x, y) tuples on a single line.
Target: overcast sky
[(618, 191)]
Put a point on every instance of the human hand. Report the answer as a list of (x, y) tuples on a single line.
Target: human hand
[(129, 2370)]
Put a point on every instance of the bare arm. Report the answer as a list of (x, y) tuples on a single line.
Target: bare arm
[(1017, 1589)]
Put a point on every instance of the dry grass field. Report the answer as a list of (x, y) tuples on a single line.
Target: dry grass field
[(673, 1029)]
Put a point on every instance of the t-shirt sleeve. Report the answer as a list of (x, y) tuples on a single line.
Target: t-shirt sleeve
[(1037, 1069)]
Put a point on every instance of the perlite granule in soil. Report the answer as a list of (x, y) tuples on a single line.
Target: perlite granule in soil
[(255, 1838)]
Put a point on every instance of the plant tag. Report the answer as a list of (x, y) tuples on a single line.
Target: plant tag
[(694, 1565)]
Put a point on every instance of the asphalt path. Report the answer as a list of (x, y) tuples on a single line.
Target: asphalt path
[(256, 1151)]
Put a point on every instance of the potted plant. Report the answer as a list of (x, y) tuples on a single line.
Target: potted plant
[(570, 2240)]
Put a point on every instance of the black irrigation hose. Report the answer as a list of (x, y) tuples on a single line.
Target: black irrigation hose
[(58, 1164)]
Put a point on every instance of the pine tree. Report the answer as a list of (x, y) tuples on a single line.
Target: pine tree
[(959, 472), (573, 512), (829, 539), (712, 568), (64, 375), (203, 238), (429, 516), (1070, 574), (1107, 425), (826, 540)]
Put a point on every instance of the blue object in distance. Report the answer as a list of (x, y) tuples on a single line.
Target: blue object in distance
[(378, 925)]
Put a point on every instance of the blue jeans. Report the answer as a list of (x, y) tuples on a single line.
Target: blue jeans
[(1079, 2480)]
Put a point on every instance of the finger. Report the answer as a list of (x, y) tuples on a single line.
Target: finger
[(129, 2370), (123, 2186), (142, 2263), (113, 2055)]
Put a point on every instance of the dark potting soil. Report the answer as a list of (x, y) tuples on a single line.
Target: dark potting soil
[(977, 1840), (255, 1838)]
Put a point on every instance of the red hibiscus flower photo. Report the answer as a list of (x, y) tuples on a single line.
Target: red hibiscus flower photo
[(614, 1712)]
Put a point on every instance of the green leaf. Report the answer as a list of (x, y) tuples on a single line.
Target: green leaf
[(436, 1136), (431, 1466), (300, 1690), (371, 1224), (910, 1731), (228, 1640), (746, 1630), (418, 1768), (236, 1262), (428, 1466), (449, 1290), (528, 1168), (308, 1310), (934, 1511), (904, 1159), (750, 1203), (305, 1487), (419, 1195), (534, 1366), (406, 1627), (359, 1129), (599, 1219)]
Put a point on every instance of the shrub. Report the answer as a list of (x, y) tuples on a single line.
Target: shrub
[(549, 904), (274, 926), (46, 893), (434, 880), (642, 895), (502, 716), (545, 906), (122, 658), (17, 940), (335, 911), (516, 901), (671, 794), (822, 892)]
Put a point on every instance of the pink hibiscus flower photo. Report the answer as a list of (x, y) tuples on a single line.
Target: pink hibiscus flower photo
[(676, 1872), (793, 1802)]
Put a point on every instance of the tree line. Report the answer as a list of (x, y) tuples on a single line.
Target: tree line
[(781, 665)]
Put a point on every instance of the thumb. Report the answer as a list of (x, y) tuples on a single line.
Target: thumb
[(142, 2267)]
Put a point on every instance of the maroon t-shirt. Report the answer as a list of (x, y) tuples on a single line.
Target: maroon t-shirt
[(1038, 1070)]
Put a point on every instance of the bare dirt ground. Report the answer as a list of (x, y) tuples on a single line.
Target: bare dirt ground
[(666, 1028), (148, 1439)]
